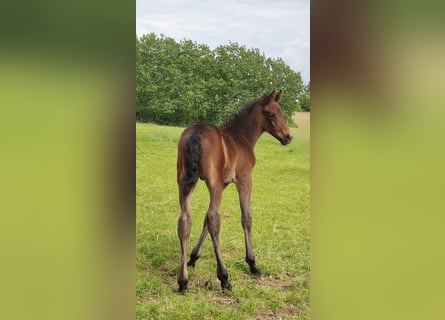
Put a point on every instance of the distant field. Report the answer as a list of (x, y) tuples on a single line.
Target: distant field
[(281, 234), (303, 121)]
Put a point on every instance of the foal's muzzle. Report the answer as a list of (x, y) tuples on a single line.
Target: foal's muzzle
[(286, 139)]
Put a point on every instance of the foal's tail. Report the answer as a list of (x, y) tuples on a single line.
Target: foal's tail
[(191, 163)]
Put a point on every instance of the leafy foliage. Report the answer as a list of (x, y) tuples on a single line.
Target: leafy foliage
[(179, 83), (304, 99)]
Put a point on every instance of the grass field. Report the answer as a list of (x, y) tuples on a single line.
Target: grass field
[(280, 233)]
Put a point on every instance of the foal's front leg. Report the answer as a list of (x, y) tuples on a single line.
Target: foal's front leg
[(244, 187)]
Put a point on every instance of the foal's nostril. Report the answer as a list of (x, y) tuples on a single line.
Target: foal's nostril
[(288, 137)]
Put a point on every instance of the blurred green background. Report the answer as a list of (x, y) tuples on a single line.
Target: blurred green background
[(378, 160), (67, 164)]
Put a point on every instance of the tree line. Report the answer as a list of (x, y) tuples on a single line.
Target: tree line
[(179, 83)]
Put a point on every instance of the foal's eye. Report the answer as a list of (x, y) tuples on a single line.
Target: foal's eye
[(270, 114)]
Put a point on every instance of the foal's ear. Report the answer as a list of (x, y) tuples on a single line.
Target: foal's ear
[(278, 96), (269, 98)]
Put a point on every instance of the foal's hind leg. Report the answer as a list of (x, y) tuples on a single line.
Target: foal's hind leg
[(196, 252), (184, 226), (244, 187), (213, 225)]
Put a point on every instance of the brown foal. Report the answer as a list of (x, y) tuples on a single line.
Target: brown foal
[(219, 156)]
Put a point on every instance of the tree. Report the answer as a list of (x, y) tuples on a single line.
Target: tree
[(178, 83), (305, 98)]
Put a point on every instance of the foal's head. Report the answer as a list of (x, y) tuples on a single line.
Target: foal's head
[(273, 120)]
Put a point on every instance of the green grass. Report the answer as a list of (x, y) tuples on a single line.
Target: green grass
[(281, 235)]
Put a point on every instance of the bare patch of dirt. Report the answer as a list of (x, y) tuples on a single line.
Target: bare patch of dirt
[(284, 313), (282, 284), (286, 284)]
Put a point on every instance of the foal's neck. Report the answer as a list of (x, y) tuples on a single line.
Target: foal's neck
[(252, 131), (247, 129)]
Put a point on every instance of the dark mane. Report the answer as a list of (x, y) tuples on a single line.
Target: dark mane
[(240, 114)]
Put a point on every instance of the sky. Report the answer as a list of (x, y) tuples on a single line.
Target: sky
[(278, 28)]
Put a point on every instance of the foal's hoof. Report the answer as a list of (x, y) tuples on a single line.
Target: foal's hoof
[(182, 286), (191, 263), (253, 268), (225, 286), (255, 271), (192, 260)]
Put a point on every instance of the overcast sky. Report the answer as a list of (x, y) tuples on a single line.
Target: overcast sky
[(278, 28)]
